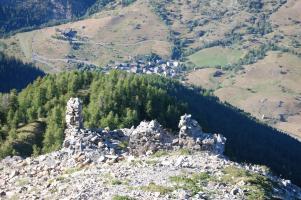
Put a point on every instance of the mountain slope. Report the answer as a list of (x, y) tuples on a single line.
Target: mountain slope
[(14, 74), (115, 35), (264, 81), (16, 14), (120, 164), (250, 50), (266, 86), (237, 24), (122, 99)]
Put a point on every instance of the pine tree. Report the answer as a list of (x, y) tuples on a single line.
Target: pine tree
[(13, 101), (131, 118), (36, 151), (40, 97), (6, 148), (12, 134), (55, 131)]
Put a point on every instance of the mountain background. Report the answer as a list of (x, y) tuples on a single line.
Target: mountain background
[(246, 53), (256, 44), (18, 15), (32, 121)]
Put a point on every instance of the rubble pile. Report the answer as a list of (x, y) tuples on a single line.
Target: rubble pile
[(148, 138), (87, 146), (103, 164), (191, 136)]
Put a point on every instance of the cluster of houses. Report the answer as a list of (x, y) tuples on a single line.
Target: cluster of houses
[(168, 68)]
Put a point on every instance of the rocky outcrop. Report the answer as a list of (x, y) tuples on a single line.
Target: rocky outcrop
[(87, 146), (148, 138), (88, 167), (90, 146), (143, 177), (189, 128), (74, 119), (191, 136)]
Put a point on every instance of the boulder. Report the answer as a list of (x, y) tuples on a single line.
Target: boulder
[(189, 127), (148, 138), (191, 136)]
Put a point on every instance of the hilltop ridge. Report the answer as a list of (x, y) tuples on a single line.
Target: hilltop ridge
[(32, 122), (138, 163), (234, 65)]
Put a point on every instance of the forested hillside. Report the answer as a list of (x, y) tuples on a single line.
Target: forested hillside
[(254, 46), (14, 74), (116, 100), (122, 100), (27, 14)]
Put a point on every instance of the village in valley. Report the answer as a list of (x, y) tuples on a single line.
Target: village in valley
[(166, 68), (150, 64)]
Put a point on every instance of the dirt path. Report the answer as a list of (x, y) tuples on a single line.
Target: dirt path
[(44, 60)]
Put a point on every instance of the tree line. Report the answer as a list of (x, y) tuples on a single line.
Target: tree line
[(120, 99), (16, 74), (16, 15), (19, 16), (116, 100)]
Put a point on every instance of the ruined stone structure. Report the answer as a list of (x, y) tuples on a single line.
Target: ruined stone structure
[(148, 138), (192, 136), (89, 163), (74, 119)]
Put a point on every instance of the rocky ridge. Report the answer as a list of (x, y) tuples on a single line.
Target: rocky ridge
[(146, 162)]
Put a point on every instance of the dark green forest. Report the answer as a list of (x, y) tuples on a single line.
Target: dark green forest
[(15, 14), (16, 74), (116, 100), (121, 100), (25, 15)]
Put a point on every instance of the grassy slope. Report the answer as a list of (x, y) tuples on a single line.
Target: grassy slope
[(215, 56), (110, 35), (286, 22), (206, 22), (270, 87), (267, 88), (199, 23), (27, 136)]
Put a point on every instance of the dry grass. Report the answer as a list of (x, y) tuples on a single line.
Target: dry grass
[(202, 77), (216, 21), (216, 56), (287, 22), (110, 35), (270, 88)]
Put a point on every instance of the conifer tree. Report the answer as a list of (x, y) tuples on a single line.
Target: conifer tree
[(55, 131)]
